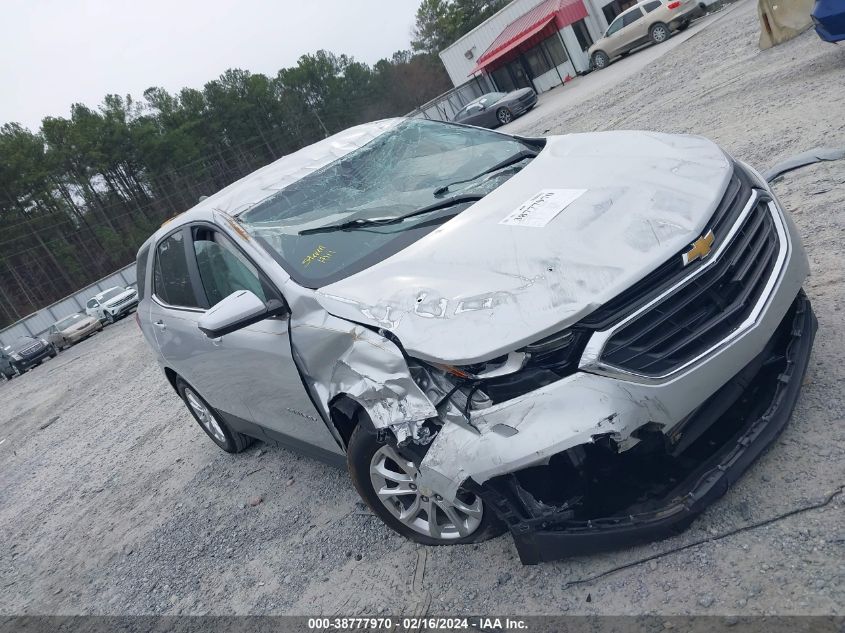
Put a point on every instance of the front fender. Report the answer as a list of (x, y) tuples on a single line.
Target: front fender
[(338, 357)]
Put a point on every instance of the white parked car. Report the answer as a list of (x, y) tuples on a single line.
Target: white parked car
[(111, 304)]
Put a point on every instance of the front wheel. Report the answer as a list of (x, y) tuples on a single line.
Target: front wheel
[(504, 116), (600, 60), (659, 33), (387, 482), (54, 352), (210, 422)]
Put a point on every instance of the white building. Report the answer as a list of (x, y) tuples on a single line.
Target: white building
[(531, 43)]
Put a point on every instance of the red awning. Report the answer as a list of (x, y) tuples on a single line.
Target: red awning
[(562, 12)]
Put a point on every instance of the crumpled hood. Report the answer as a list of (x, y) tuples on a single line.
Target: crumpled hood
[(476, 288)]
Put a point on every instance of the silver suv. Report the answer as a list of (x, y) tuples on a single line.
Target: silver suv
[(648, 21), (583, 339)]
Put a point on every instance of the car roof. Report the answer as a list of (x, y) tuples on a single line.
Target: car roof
[(639, 5), (245, 193)]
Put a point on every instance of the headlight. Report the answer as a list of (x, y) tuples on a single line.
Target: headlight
[(15, 356), (43, 341), (524, 370)]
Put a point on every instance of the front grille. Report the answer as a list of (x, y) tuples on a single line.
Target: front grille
[(706, 309), (122, 302), (32, 349)]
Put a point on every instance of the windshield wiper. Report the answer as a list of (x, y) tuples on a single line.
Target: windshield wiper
[(364, 222), (511, 160)]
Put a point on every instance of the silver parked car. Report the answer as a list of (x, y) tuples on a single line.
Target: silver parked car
[(584, 339), (497, 108), (648, 21)]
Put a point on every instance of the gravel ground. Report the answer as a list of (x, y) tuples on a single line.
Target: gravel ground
[(113, 502)]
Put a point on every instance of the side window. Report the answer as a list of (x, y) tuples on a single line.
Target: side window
[(92, 303), (223, 268), (632, 16), (651, 6), (171, 281), (141, 271), (614, 26)]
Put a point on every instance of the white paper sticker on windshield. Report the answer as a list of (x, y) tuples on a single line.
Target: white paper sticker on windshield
[(542, 207)]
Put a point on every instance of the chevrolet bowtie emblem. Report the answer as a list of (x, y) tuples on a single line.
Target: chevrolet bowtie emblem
[(700, 248)]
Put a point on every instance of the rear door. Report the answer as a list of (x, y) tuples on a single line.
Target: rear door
[(633, 30), (256, 363)]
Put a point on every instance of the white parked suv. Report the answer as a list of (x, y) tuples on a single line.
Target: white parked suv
[(111, 304)]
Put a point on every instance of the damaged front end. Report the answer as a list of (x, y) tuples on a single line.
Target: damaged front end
[(595, 497)]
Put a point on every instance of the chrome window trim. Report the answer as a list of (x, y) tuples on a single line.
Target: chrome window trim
[(591, 357), (167, 306)]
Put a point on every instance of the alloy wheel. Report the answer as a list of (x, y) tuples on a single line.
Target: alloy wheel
[(204, 415), (658, 33), (394, 481), (504, 115)]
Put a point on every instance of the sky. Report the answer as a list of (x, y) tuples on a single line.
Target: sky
[(57, 52)]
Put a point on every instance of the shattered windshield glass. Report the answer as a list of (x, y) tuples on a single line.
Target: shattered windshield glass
[(350, 214)]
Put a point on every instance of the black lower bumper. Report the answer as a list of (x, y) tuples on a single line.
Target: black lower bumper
[(543, 534)]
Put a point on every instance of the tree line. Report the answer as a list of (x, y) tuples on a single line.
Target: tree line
[(79, 195)]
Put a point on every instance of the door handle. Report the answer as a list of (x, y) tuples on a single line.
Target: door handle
[(160, 324)]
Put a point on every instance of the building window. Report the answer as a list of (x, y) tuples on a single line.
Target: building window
[(612, 9), (502, 79), (582, 34), (556, 51), (537, 61)]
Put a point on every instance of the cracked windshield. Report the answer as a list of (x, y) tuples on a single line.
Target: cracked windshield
[(382, 197)]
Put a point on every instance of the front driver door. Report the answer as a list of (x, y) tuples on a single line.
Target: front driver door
[(256, 361)]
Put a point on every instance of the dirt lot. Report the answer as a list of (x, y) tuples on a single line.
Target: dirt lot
[(113, 501)]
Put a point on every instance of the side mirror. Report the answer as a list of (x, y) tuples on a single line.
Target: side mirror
[(238, 310)]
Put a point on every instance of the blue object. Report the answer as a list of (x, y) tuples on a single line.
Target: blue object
[(829, 19)]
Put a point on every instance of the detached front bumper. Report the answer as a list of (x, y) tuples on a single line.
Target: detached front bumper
[(771, 383)]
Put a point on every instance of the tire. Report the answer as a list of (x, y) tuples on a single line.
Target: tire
[(367, 456), (600, 60), (683, 27), (659, 33), (219, 432), (504, 116), (54, 352)]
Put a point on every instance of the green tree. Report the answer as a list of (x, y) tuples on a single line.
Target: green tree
[(440, 22)]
